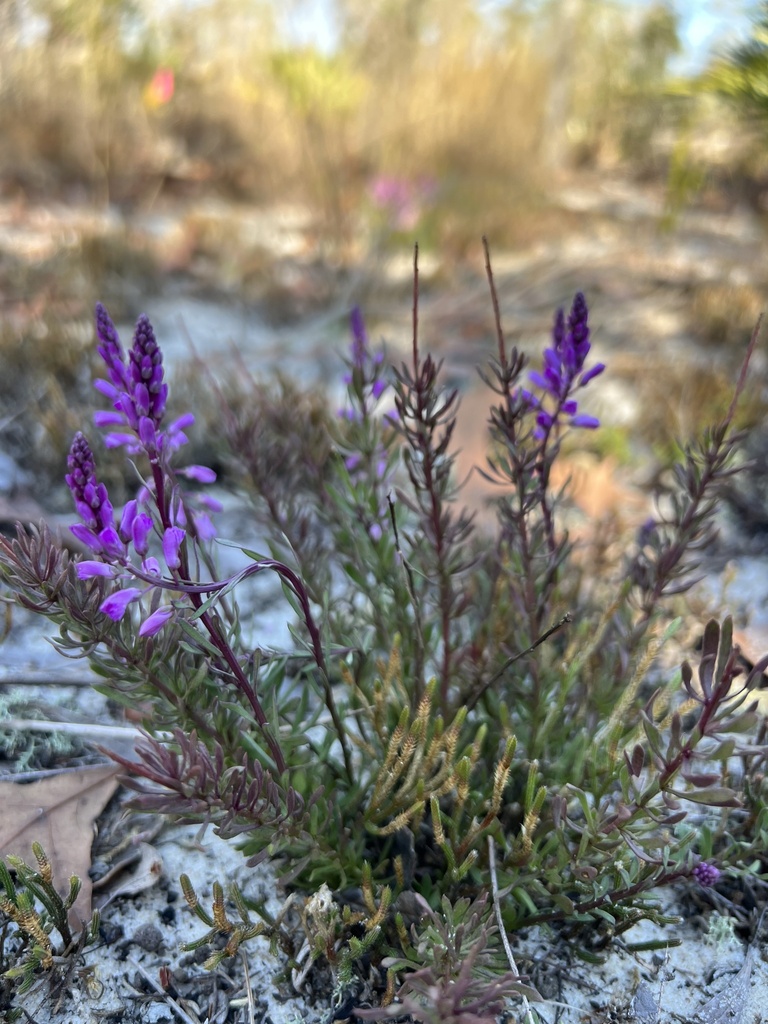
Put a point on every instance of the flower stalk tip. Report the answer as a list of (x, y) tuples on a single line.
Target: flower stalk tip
[(706, 874), (563, 372)]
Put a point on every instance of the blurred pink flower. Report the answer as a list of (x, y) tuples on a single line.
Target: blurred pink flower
[(402, 199), (160, 89)]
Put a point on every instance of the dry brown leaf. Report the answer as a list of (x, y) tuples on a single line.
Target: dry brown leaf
[(58, 812)]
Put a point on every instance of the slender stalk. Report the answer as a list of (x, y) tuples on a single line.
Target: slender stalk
[(219, 642)]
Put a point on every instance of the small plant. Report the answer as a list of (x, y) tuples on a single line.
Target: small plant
[(447, 693), (453, 971), (36, 910)]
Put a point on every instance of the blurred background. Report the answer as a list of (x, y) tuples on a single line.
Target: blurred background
[(245, 171)]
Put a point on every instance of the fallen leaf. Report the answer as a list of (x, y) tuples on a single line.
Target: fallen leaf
[(58, 811), (728, 1006), (644, 1008)]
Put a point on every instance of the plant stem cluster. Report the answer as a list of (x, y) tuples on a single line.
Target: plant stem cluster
[(447, 693)]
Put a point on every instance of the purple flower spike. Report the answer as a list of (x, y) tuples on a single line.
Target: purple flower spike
[(110, 349), (137, 391), (116, 604), (578, 329), (706, 874), (146, 367), (155, 622), (563, 372), (90, 497)]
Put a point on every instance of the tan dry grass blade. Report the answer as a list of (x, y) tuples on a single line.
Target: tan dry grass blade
[(58, 812)]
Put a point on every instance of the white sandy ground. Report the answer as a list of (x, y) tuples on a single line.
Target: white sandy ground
[(650, 988)]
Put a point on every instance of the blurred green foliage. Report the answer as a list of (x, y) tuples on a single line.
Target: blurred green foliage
[(742, 74)]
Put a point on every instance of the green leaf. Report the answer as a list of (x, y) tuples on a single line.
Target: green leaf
[(562, 902), (717, 796)]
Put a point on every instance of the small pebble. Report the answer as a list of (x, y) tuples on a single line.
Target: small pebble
[(149, 937)]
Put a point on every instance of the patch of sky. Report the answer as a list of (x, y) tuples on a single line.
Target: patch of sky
[(706, 26)]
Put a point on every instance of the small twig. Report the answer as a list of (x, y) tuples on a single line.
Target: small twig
[(744, 369), (415, 313), (46, 773), (157, 987), (85, 731), (499, 921), (249, 989), (40, 678), (495, 301), (516, 657)]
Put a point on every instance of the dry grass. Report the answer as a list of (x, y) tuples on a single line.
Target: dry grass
[(437, 95), (723, 314)]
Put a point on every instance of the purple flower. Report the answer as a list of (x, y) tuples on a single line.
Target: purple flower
[(114, 440), (146, 369), (563, 371), (582, 420), (116, 604), (86, 536), (202, 474), (210, 503), (92, 502), (140, 530), (86, 570), (91, 498), (706, 874), (103, 418), (172, 541), (110, 349), (596, 370), (155, 622), (365, 379), (401, 199), (204, 527), (137, 391), (174, 437)]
